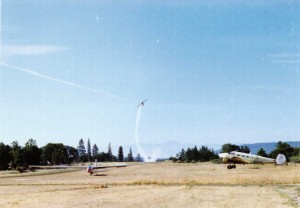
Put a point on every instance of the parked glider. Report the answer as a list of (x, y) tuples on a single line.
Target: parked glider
[(91, 169)]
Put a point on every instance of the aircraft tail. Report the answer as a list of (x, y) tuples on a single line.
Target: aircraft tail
[(281, 159)]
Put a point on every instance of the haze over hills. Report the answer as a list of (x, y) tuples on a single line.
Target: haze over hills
[(171, 148), (269, 146)]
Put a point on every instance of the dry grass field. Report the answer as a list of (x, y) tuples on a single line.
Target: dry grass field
[(156, 185)]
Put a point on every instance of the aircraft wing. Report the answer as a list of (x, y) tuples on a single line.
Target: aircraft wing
[(35, 167), (55, 167), (110, 166), (142, 103)]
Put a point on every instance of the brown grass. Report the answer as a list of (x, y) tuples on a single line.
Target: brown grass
[(156, 185)]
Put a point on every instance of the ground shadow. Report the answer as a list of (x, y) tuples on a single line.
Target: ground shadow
[(100, 175)]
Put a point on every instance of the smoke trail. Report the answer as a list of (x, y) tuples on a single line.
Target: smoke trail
[(146, 157), (137, 122), (59, 80)]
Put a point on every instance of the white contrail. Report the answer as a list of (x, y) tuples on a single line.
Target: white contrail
[(59, 80), (45, 76), (137, 142), (146, 157)]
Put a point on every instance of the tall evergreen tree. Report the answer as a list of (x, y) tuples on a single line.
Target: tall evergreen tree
[(89, 153), (120, 154), (95, 150), (188, 155), (81, 148), (109, 153), (195, 154), (130, 156), (182, 155)]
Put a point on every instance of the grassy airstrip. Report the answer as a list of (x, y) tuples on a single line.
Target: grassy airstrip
[(155, 185)]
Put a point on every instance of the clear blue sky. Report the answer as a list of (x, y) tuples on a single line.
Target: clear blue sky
[(227, 71)]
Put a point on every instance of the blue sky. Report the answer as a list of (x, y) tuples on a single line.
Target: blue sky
[(214, 72)]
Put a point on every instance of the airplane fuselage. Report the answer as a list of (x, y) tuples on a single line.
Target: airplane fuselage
[(244, 158), (142, 103)]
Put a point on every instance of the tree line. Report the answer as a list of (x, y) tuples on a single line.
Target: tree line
[(86, 154), (205, 154), (16, 157), (202, 154)]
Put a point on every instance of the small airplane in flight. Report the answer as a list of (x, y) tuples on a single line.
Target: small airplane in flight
[(235, 157), (142, 103), (91, 169)]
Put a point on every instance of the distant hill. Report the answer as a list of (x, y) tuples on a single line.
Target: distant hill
[(268, 147)]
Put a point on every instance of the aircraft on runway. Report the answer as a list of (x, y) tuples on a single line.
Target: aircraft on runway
[(235, 157), (91, 169), (142, 103)]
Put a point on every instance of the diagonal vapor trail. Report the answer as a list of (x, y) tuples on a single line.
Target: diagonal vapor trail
[(36, 74)]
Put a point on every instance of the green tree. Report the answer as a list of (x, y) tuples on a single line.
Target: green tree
[(262, 152), (89, 153), (120, 154), (203, 154), (55, 154), (109, 153), (229, 147), (296, 156), (244, 149), (81, 148), (206, 154), (282, 148), (95, 150), (195, 154), (5, 156), (182, 155), (188, 155), (102, 156), (17, 153), (72, 154), (32, 154)]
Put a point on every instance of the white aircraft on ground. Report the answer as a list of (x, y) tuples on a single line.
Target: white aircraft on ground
[(91, 169), (235, 157)]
